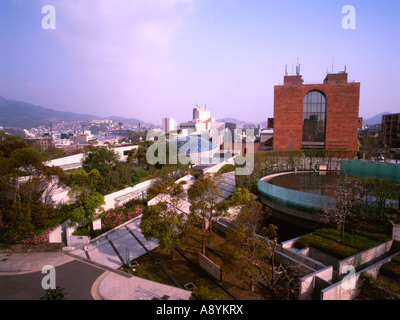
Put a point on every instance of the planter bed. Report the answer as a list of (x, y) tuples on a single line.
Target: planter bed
[(330, 242)]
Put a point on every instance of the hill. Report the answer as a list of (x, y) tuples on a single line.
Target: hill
[(377, 119), (132, 121), (24, 115)]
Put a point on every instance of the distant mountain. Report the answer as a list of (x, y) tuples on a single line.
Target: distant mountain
[(24, 115), (132, 121), (375, 119), (232, 120)]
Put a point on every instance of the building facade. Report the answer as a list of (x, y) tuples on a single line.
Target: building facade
[(391, 130), (201, 121), (168, 125), (316, 116)]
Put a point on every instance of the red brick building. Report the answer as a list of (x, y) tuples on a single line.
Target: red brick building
[(317, 116)]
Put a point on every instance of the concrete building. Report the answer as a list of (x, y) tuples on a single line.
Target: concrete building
[(391, 130), (316, 116), (42, 143), (168, 125), (201, 121)]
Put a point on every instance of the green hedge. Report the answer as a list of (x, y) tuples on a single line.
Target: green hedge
[(331, 242), (327, 246), (227, 168)]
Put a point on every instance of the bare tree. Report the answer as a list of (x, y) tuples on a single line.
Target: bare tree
[(251, 249), (205, 199), (345, 192)]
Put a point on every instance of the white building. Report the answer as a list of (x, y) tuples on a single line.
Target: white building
[(201, 121), (168, 125)]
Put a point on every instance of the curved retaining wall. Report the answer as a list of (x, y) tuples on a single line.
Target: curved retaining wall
[(297, 203), (295, 199)]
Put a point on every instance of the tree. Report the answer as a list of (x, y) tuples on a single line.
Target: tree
[(10, 143), (205, 199), (383, 190), (164, 220), (247, 252), (24, 179), (138, 156), (101, 159), (345, 192), (241, 196), (84, 196), (173, 172), (24, 186), (250, 249), (115, 178)]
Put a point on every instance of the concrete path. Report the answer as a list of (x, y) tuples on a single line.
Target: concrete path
[(89, 272), (116, 247), (21, 279)]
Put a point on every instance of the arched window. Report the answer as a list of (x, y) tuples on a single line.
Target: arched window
[(314, 119)]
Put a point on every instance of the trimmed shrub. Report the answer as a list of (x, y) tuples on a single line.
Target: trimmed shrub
[(27, 237), (327, 246), (331, 242), (112, 218)]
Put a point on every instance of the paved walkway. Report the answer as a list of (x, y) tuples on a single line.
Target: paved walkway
[(20, 279), (115, 248), (99, 261), (103, 256)]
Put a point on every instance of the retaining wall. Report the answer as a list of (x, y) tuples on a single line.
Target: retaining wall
[(363, 257), (111, 201), (71, 162), (315, 282), (349, 287)]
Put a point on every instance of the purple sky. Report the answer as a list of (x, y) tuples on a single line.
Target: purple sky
[(150, 59)]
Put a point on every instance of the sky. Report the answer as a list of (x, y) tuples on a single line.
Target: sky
[(150, 59)]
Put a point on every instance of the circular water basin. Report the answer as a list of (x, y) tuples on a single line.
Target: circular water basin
[(311, 182)]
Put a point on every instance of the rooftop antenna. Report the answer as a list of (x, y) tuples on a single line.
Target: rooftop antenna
[(298, 67), (286, 71)]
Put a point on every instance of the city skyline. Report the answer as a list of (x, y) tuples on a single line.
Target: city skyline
[(156, 59)]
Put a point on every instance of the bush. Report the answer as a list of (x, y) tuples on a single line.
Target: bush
[(227, 168), (359, 242), (374, 289), (203, 293), (14, 236), (328, 246), (139, 174), (114, 217), (392, 268)]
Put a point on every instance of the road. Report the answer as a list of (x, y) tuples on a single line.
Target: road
[(76, 277)]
